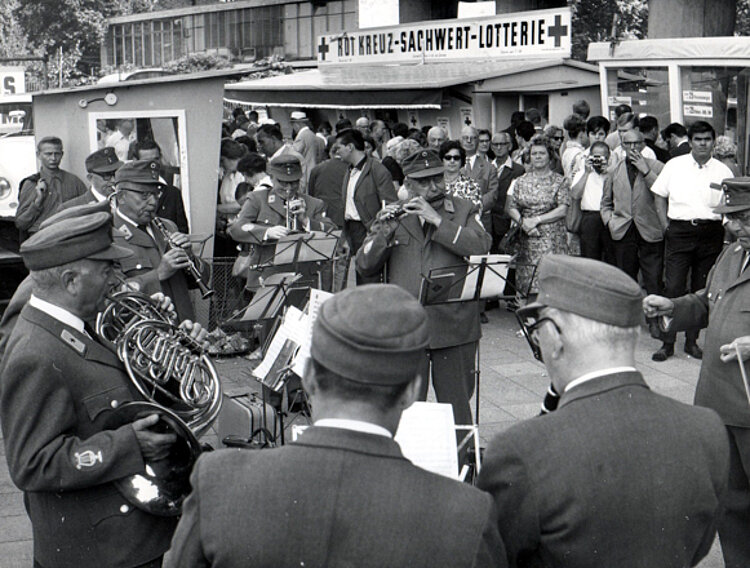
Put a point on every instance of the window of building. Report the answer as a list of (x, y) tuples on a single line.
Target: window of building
[(644, 89)]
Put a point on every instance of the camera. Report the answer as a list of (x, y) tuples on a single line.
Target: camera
[(598, 161)]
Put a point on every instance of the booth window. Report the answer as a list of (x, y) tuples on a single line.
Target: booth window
[(710, 94), (645, 89)]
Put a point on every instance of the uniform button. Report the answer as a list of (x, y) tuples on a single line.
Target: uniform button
[(124, 509), (114, 404), (138, 266)]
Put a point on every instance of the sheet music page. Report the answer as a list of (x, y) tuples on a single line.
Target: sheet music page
[(493, 283), (317, 297), (427, 436), (293, 327)]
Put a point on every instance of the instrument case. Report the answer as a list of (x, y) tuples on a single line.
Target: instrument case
[(242, 422)]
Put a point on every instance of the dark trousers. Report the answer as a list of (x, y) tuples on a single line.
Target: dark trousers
[(633, 253), (596, 241), (153, 564), (355, 233), (500, 226), (690, 248), (734, 524), (452, 378)]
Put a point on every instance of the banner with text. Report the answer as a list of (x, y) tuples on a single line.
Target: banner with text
[(544, 33)]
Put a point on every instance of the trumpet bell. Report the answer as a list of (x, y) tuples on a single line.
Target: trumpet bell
[(164, 484)]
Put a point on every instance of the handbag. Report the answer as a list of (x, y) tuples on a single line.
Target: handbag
[(511, 240), (573, 216)]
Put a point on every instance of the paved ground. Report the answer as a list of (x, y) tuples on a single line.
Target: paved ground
[(512, 386)]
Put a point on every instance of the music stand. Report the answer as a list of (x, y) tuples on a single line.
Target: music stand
[(477, 280), (301, 250)]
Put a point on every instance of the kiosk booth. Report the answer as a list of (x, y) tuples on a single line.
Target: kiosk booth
[(446, 72), (680, 80)]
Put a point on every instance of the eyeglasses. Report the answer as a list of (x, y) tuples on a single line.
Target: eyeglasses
[(501, 143), (106, 176), (452, 157), (145, 195), (426, 183), (557, 137), (632, 144), (484, 141), (530, 324)]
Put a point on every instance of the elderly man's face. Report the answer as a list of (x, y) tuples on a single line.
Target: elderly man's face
[(95, 279), (501, 145), (139, 205), (633, 143), (469, 140), (435, 137), (287, 189), (428, 187), (739, 223)]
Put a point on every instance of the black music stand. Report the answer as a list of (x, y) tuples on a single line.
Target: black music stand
[(301, 252), (466, 283)]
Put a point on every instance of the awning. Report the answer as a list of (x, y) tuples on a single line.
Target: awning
[(382, 86)]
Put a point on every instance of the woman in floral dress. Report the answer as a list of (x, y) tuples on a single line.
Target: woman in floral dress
[(456, 182), (538, 201)]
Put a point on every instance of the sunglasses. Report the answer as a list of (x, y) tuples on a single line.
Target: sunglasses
[(452, 157), (530, 322), (557, 138)]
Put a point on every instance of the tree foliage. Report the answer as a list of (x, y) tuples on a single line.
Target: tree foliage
[(592, 21)]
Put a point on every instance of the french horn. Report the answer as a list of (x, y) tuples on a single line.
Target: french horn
[(178, 381)]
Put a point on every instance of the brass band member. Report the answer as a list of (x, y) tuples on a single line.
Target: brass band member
[(437, 231), (155, 265), (270, 214), (58, 387), (342, 494)]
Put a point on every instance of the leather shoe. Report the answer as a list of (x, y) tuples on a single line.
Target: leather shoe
[(663, 353), (484, 319), (693, 350)]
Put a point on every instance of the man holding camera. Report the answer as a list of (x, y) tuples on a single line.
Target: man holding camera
[(629, 211)]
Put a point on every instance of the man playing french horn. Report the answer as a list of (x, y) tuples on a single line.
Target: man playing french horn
[(59, 387)]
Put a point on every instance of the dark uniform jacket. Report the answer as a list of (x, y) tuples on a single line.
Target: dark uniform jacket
[(724, 306), (373, 186), (57, 388), (623, 204), (142, 266), (325, 183), (408, 254), (170, 207), (617, 476), (84, 199), (334, 498)]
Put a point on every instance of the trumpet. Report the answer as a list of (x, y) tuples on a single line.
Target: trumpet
[(192, 268), (291, 207)]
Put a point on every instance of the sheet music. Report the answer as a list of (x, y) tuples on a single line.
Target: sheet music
[(317, 297), (493, 283), (294, 328), (427, 436)]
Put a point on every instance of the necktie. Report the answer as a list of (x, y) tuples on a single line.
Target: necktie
[(744, 264), (89, 331)]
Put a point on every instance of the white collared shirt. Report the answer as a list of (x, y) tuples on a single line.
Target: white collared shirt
[(508, 163), (596, 374), (350, 208), (686, 185), (354, 425), (60, 314), (98, 196), (592, 192), (470, 161)]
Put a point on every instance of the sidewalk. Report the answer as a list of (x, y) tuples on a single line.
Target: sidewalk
[(512, 387)]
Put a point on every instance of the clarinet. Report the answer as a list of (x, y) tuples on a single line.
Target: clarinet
[(192, 268)]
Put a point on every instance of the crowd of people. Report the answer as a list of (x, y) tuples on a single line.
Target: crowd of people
[(613, 475)]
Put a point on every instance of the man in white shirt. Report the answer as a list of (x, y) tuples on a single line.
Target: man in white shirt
[(695, 235), (558, 479), (343, 492), (121, 138)]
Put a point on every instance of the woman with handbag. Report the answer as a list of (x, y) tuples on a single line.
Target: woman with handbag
[(538, 202)]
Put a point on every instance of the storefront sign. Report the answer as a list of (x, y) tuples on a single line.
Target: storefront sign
[(537, 33), (12, 81), (702, 111), (705, 97)]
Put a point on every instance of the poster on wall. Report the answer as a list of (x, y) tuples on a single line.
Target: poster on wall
[(413, 119), (467, 117), (444, 123)]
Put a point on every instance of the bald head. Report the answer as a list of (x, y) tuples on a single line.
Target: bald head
[(435, 137)]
